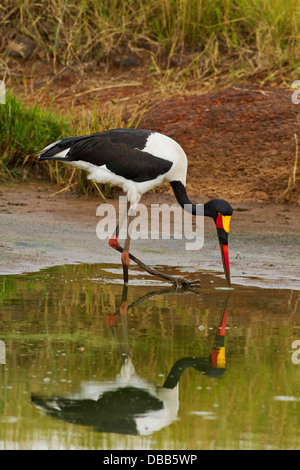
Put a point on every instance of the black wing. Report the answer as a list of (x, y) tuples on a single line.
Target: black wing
[(119, 149)]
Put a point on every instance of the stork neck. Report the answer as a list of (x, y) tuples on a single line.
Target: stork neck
[(183, 199), (198, 363)]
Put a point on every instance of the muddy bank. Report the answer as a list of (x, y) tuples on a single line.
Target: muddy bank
[(39, 230), (240, 141)]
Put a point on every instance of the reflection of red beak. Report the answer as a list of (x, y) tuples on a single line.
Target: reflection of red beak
[(223, 240)]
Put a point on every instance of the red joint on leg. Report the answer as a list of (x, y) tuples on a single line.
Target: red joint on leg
[(125, 258), (113, 242), (111, 319), (124, 307)]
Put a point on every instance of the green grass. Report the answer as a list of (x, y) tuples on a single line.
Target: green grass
[(246, 35), (238, 39), (25, 130)]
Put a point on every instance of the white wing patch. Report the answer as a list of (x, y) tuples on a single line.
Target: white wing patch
[(63, 153), (164, 147), (49, 147)]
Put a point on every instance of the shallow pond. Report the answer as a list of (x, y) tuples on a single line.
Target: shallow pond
[(87, 365)]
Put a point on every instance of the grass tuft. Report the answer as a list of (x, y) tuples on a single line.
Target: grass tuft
[(22, 130), (245, 35), (26, 130)]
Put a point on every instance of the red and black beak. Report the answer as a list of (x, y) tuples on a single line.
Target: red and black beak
[(222, 225)]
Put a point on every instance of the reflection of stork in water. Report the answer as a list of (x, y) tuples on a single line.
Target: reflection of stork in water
[(131, 404)]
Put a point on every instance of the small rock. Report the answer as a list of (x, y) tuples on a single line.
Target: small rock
[(22, 47), (126, 61)]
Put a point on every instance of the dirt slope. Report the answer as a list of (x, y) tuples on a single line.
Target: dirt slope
[(239, 141)]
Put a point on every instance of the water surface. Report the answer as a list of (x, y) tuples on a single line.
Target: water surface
[(87, 365)]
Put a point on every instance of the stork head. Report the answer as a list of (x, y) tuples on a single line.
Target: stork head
[(221, 212)]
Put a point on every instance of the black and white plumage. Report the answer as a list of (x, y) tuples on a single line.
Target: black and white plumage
[(129, 403), (134, 159), (138, 160)]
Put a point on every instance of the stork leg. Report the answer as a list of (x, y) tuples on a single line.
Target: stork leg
[(114, 243), (111, 320), (125, 254)]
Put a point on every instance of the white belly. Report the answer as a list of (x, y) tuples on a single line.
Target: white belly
[(103, 175)]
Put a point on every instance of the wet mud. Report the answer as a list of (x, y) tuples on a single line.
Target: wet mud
[(40, 230)]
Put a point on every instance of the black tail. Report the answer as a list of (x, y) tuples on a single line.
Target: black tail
[(47, 404), (58, 150)]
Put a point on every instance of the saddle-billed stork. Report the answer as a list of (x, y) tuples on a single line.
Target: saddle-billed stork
[(138, 160)]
